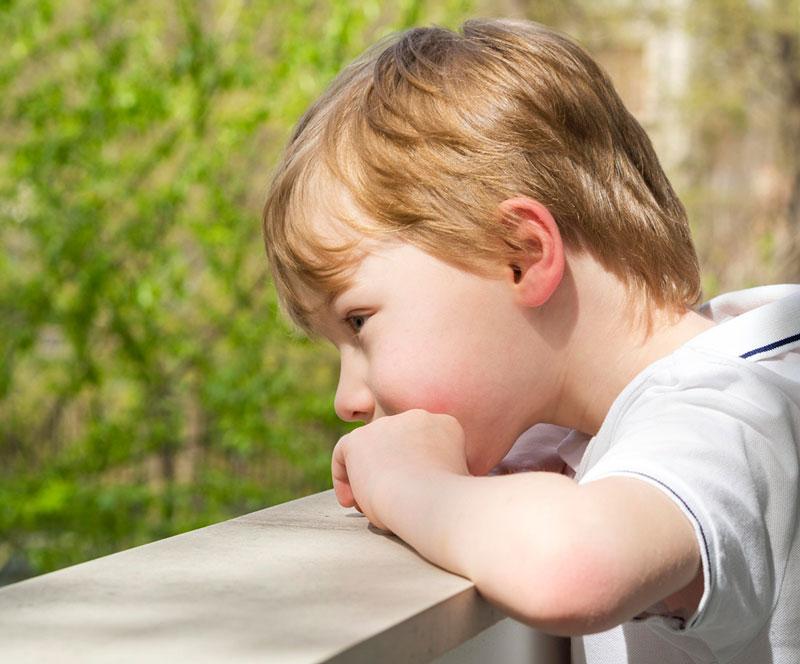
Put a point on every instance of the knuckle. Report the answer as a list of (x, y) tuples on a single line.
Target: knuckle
[(451, 422)]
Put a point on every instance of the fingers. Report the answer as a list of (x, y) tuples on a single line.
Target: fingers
[(341, 484)]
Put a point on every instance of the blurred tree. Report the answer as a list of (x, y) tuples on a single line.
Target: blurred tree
[(744, 113), (147, 384)]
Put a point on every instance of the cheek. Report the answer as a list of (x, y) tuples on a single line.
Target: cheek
[(438, 387), (417, 382), (440, 383)]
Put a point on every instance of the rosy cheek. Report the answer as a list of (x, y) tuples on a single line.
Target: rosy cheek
[(408, 385), (435, 399), (437, 393)]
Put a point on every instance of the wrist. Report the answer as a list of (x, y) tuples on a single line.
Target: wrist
[(427, 510)]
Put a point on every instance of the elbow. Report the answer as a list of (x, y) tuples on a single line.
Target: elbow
[(574, 588), (584, 595)]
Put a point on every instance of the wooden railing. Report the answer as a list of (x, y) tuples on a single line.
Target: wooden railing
[(301, 582)]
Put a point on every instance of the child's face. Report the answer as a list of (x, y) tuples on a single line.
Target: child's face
[(415, 332)]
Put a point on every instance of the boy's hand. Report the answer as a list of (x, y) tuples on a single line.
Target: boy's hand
[(370, 464)]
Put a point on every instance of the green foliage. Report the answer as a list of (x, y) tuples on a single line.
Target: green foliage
[(147, 383)]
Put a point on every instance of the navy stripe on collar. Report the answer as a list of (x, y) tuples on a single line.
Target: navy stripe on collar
[(772, 346)]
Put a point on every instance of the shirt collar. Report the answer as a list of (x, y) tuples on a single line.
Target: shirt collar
[(756, 323)]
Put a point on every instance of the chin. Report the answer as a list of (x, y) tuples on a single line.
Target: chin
[(482, 460), (481, 466)]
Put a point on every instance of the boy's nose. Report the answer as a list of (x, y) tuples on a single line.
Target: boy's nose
[(353, 401)]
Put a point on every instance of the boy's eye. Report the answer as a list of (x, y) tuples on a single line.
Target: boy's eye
[(356, 322)]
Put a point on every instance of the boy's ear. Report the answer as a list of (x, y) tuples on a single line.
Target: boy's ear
[(537, 270)]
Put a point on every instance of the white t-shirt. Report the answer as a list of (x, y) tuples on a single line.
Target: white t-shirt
[(716, 427)]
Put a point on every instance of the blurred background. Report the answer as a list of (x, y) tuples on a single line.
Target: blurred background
[(148, 384)]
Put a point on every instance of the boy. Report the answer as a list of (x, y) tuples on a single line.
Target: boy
[(485, 233)]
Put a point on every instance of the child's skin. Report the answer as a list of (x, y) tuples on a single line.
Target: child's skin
[(447, 368)]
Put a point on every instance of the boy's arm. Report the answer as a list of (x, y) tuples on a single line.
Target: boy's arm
[(565, 558)]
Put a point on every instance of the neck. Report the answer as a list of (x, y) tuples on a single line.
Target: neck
[(602, 354)]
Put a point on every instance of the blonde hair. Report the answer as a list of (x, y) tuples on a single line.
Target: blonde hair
[(421, 138)]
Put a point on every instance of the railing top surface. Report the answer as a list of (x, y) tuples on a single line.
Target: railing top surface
[(301, 582)]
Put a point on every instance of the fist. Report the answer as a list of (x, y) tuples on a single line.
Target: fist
[(373, 465)]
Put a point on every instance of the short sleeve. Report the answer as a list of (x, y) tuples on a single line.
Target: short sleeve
[(725, 452)]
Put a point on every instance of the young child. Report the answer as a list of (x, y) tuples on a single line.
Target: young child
[(486, 235)]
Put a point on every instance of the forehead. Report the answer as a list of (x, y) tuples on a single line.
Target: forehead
[(325, 210), (324, 238), (365, 268)]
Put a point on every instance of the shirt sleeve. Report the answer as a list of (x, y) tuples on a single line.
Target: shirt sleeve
[(727, 456)]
